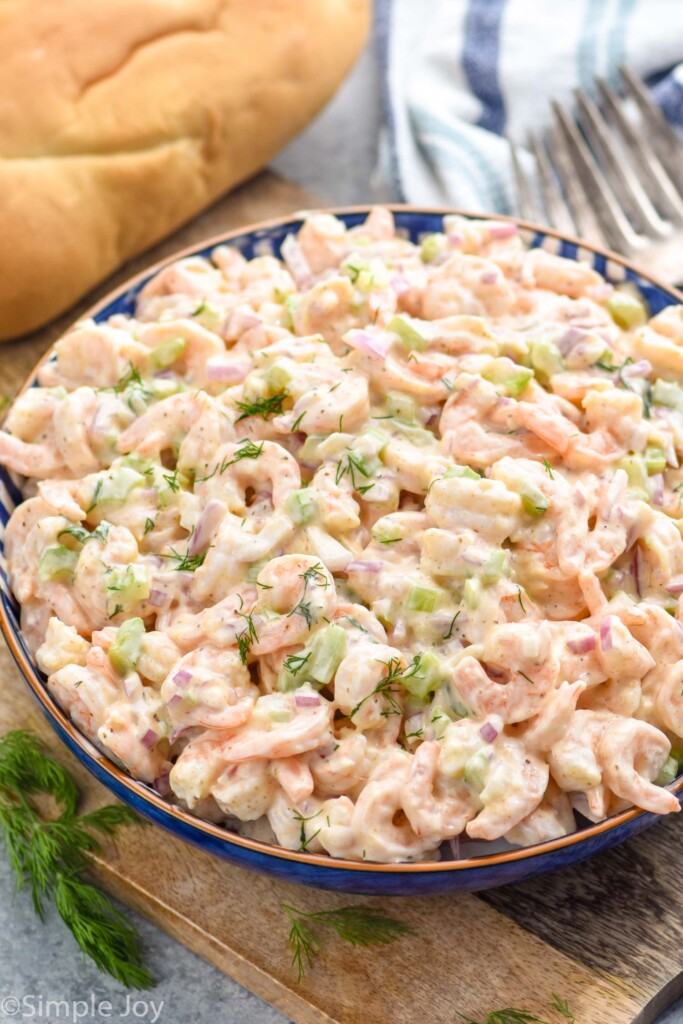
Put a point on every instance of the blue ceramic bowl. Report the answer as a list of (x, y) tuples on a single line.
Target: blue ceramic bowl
[(468, 873)]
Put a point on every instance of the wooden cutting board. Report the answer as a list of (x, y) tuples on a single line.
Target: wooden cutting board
[(607, 936)]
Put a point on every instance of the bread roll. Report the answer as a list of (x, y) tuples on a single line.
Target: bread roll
[(121, 119)]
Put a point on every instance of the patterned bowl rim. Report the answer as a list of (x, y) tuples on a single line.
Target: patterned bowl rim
[(139, 791)]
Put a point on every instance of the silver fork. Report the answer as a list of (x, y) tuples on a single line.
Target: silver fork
[(608, 177)]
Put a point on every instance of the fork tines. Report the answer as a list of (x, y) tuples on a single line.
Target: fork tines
[(611, 172)]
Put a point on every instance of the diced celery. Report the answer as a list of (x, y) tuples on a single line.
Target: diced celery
[(57, 562), (209, 316), (277, 378), (143, 466), (166, 353), (291, 303), (378, 439), (513, 377), (416, 435), (654, 459), (422, 599), (432, 246), (626, 310), (317, 662), (668, 772), (476, 771), (408, 333), (534, 501), (127, 646), (254, 569), (309, 449), (636, 471), (401, 406), (386, 532), (471, 593), (677, 752), (127, 587), (168, 484), (492, 569), (459, 471), (423, 676), (327, 648), (439, 720), (545, 360), (280, 715), (665, 392), (118, 485), (301, 506)]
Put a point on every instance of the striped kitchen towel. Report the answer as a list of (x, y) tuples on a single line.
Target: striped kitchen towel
[(458, 75)]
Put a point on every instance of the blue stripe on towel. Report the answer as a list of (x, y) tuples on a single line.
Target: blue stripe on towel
[(668, 94), (480, 57)]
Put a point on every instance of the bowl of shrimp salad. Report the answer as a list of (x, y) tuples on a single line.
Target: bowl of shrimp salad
[(348, 547)]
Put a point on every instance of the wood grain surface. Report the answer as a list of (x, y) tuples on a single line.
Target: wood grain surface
[(605, 935)]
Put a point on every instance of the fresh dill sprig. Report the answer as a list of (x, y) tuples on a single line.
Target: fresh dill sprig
[(295, 662), (449, 634), (350, 464), (359, 926), (297, 422), (96, 496), (48, 856), (247, 637), (130, 377), (506, 1016), (247, 450), (186, 563), (172, 480), (315, 574), (149, 525), (304, 840), (394, 673), (264, 407), (561, 1006), (549, 469), (82, 535)]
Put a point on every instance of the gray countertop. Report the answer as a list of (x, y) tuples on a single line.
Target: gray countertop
[(335, 158)]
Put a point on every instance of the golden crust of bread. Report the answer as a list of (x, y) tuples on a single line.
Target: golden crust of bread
[(121, 119)]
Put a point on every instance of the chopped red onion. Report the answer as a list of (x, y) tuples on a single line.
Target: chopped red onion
[(149, 739), (498, 675), (635, 569), (606, 638), (501, 229), (164, 375), (455, 238), (582, 644), (296, 262), (228, 371), (162, 784), (488, 277), (100, 424), (156, 597), (175, 699), (241, 319), (305, 700), (182, 677), (130, 685), (571, 338), (640, 369), (361, 565), (399, 284), (657, 482), (488, 732), (371, 344), (675, 585), (207, 523)]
